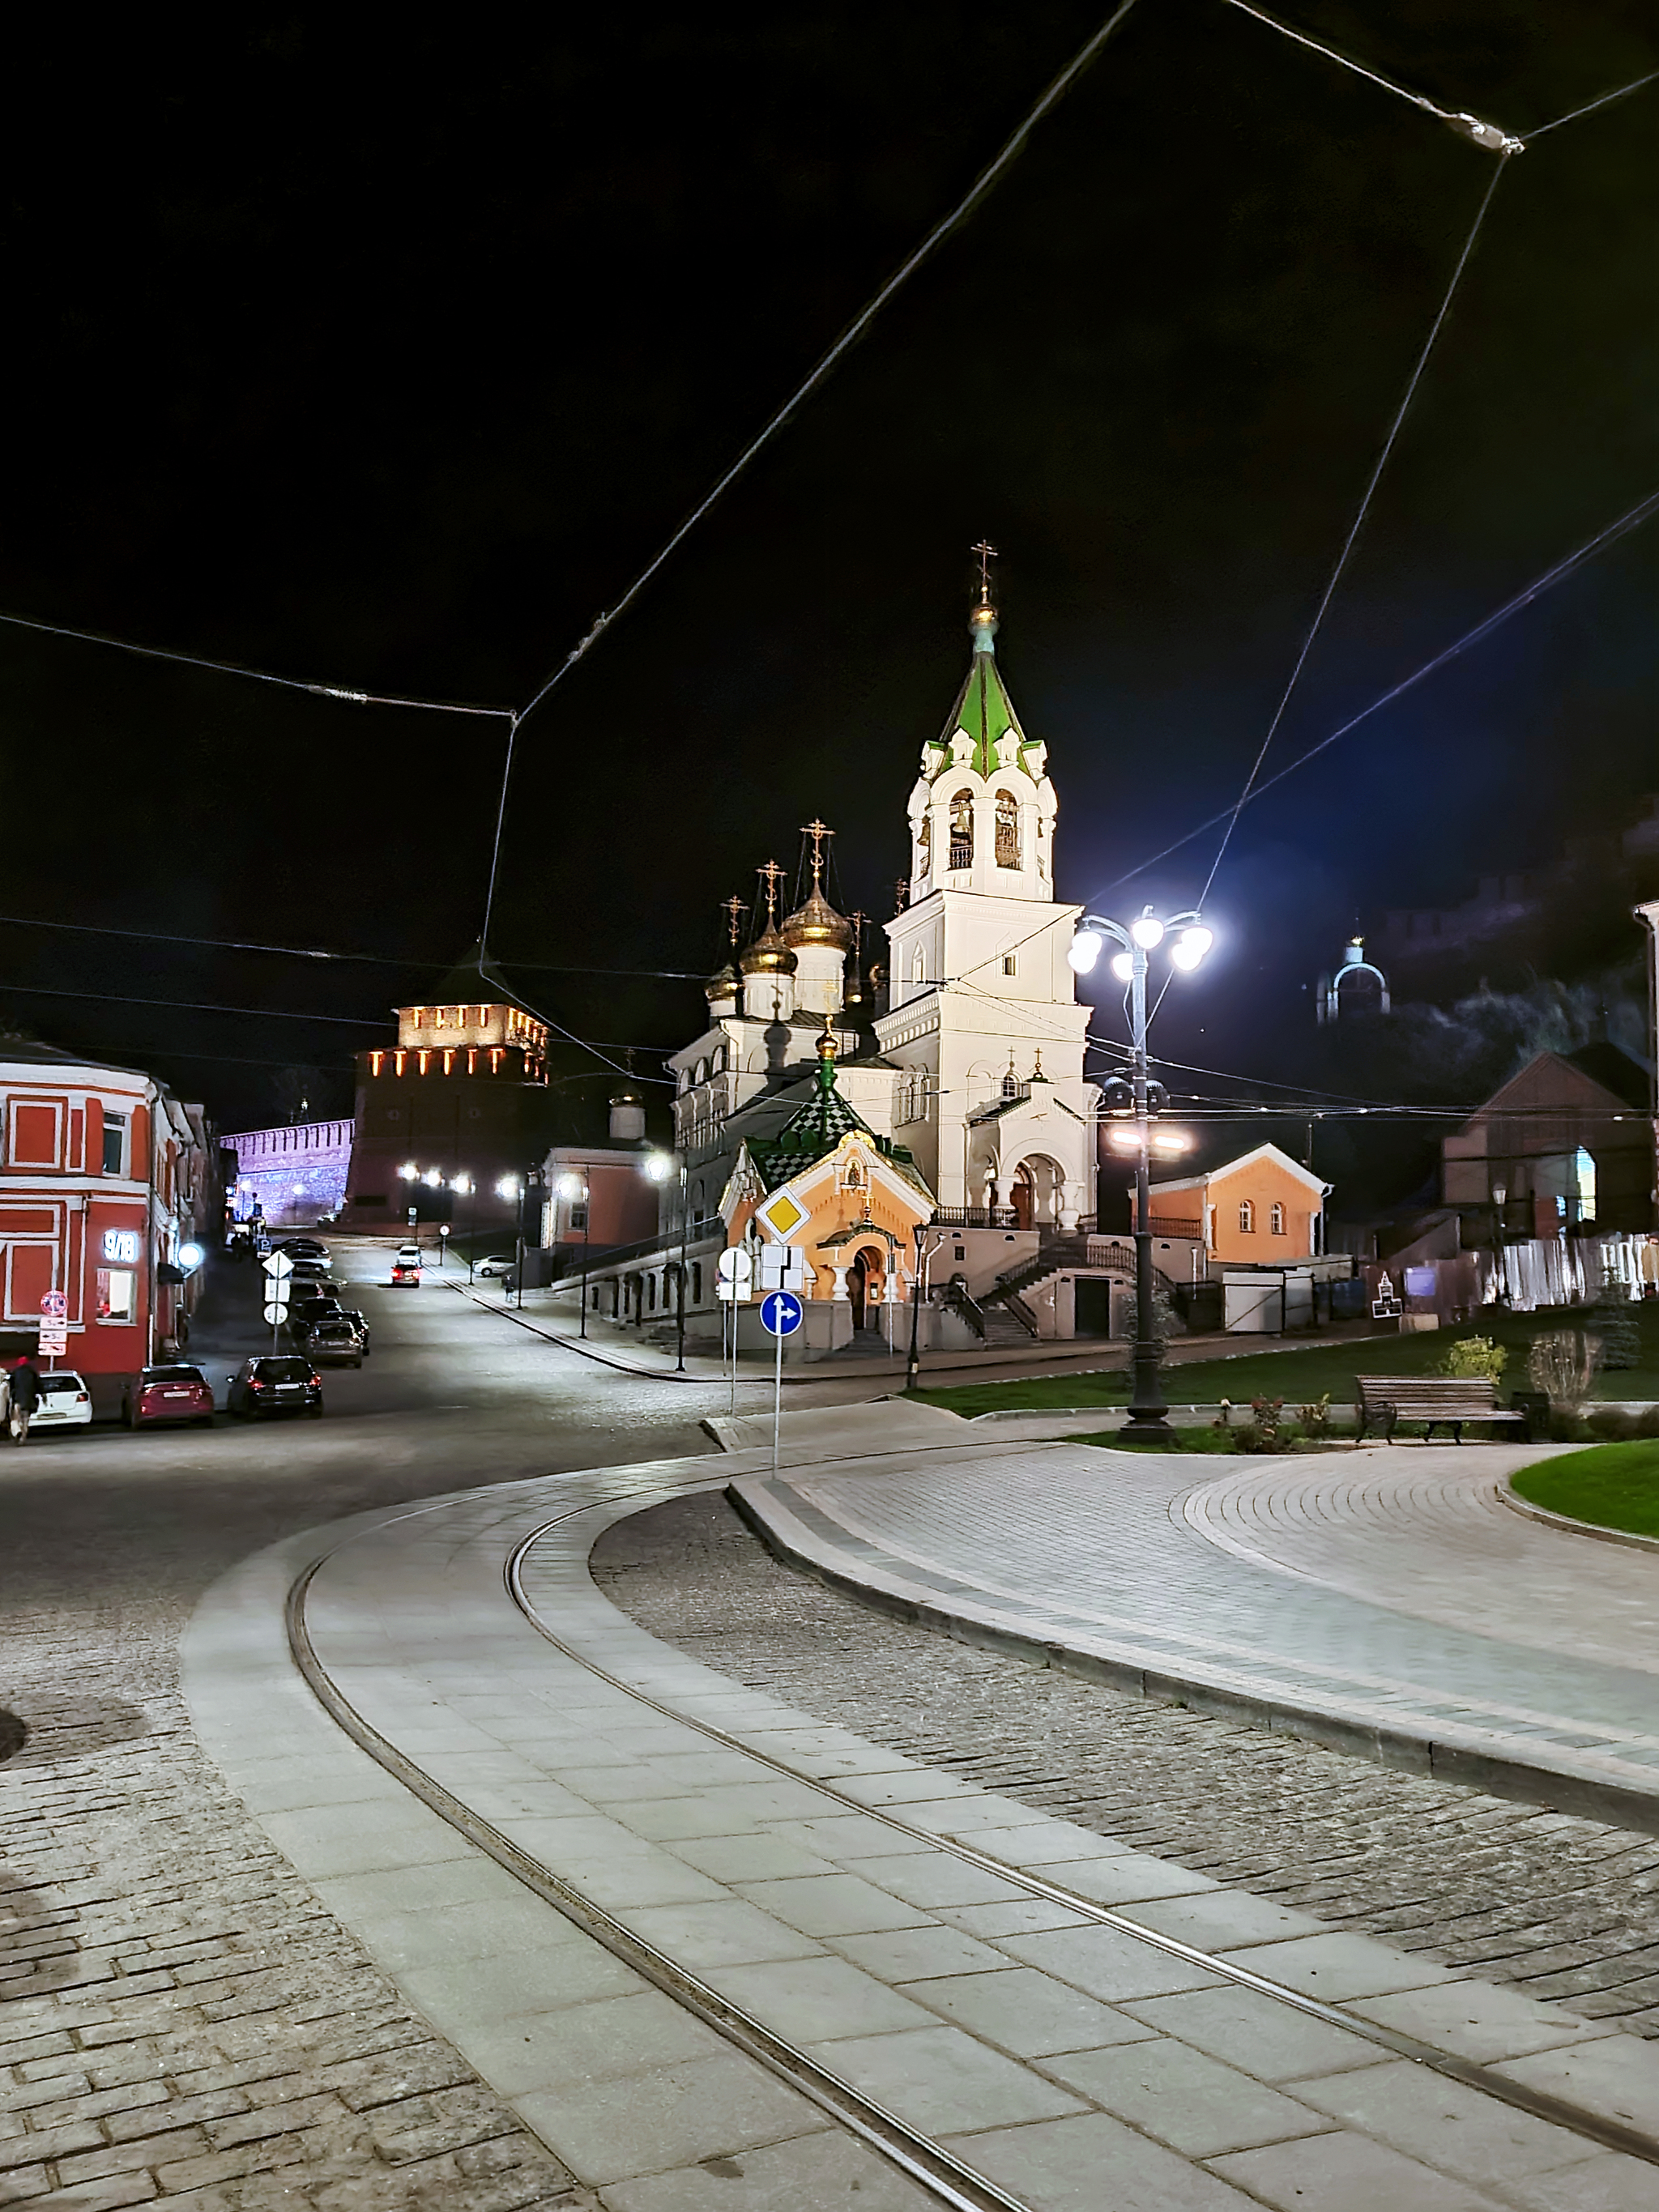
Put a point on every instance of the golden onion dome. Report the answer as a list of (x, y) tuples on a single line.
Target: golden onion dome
[(724, 985), (769, 955), (816, 922)]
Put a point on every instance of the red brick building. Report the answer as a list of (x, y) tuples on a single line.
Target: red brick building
[(104, 1178)]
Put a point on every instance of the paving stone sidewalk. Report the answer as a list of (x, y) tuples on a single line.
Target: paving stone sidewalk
[(1056, 2054), (1468, 1641), (181, 2021)]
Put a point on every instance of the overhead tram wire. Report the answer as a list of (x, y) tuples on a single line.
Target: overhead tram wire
[(1568, 565), (983, 183), (1591, 106), (1358, 523)]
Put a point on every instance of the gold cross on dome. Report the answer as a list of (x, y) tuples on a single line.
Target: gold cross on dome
[(859, 921), (985, 554), (817, 832), (734, 910), (771, 875)]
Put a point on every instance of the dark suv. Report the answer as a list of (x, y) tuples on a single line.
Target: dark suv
[(274, 1385)]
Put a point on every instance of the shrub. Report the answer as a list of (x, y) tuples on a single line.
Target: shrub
[(1475, 1355), (1316, 1418), (1569, 1427), (1562, 1363), (1266, 1429), (1614, 1320), (1647, 1423), (1616, 1423)]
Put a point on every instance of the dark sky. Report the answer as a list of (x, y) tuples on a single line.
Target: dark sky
[(384, 356)]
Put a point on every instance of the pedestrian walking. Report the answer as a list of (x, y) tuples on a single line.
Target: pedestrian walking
[(25, 1396)]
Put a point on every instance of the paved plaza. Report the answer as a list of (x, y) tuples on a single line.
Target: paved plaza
[(1385, 1597)]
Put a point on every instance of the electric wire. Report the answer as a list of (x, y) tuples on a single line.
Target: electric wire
[(1567, 566), (240, 668), (984, 183), (1591, 105), (1358, 523), (1468, 126), (192, 1005)]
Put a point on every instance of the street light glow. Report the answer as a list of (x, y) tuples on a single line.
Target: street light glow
[(463, 1184), (1147, 931), (659, 1166), (570, 1186), (1123, 966), (507, 1187), (190, 1256), (408, 1172), (433, 1178), (1085, 950), (1190, 947)]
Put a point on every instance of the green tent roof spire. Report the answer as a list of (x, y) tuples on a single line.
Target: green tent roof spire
[(983, 708)]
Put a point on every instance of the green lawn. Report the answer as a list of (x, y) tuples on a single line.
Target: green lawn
[(1300, 1377), (1614, 1485)]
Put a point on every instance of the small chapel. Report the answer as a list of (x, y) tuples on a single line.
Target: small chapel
[(940, 1090)]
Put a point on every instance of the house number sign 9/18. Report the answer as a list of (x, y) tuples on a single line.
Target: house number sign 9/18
[(121, 1247)]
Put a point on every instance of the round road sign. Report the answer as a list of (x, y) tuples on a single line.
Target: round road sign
[(736, 1267), (274, 1314), (781, 1313)]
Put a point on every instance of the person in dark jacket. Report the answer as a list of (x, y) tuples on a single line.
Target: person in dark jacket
[(25, 1388)]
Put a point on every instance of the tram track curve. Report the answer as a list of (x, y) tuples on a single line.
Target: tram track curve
[(930, 2164)]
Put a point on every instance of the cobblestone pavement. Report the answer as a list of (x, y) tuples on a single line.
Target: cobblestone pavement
[(183, 2021), (1564, 1908)]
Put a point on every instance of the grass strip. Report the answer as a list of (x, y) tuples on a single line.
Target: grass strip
[(1611, 1485)]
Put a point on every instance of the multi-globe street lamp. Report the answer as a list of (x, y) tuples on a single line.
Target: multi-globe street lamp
[(1188, 940)]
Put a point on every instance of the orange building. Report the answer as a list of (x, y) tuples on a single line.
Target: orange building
[(1261, 1209)]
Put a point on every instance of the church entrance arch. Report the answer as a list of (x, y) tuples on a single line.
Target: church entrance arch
[(866, 1279), (1037, 1191)]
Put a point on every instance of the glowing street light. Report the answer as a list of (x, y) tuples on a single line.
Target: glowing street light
[(1136, 1129)]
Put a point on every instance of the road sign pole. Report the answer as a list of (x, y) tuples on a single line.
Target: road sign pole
[(777, 1400)]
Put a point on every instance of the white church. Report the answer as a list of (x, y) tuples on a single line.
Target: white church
[(955, 1070)]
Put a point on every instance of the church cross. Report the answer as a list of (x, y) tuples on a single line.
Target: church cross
[(857, 921), (817, 832), (985, 554), (734, 910), (771, 875)]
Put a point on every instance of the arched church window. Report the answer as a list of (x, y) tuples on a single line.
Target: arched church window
[(918, 966), (962, 830), (1007, 831), (1247, 1216), (1276, 1220)]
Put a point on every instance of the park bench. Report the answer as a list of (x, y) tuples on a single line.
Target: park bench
[(1442, 1401)]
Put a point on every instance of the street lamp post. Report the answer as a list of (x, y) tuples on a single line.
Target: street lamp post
[(660, 1167), (913, 1363), (1148, 1412), (572, 1188)]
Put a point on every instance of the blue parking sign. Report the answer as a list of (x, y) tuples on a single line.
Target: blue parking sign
[(781, 1313)]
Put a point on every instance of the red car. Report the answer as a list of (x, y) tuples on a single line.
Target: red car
[(167, 1394)]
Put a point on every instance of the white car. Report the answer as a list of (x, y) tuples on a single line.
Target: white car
[(496, 1265), (66, 1402)]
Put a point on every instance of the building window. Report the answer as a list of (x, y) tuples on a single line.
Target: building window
[(1247, 1216), (118, 1294), (962, 830), (578, 1217), (696, 1282), (1276, 1220), (1010, 963), (115, 1142), (1007, 831)]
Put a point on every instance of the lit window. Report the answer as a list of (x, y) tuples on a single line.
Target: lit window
[(1011, 963), (1276, 1221), (1247, 1216), (115, 1140), (118, 1294)]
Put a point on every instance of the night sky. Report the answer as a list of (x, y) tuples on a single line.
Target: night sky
[(384, 356)]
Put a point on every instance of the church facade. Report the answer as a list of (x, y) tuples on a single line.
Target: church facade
[(946, 1090)]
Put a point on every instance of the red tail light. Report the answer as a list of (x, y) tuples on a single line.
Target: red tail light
[(316, 1380), (256, 1382)]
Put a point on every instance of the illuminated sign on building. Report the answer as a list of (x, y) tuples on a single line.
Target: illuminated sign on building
[(121, 1245)]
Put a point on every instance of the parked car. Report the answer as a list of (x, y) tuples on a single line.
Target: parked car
[(496, 1265), (274, 1384), (173, 1392), (65, 1402), (308, 1303), (310, 1270), (406, 1265), (358, 1321), (334, 1342), (304, 1248)]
